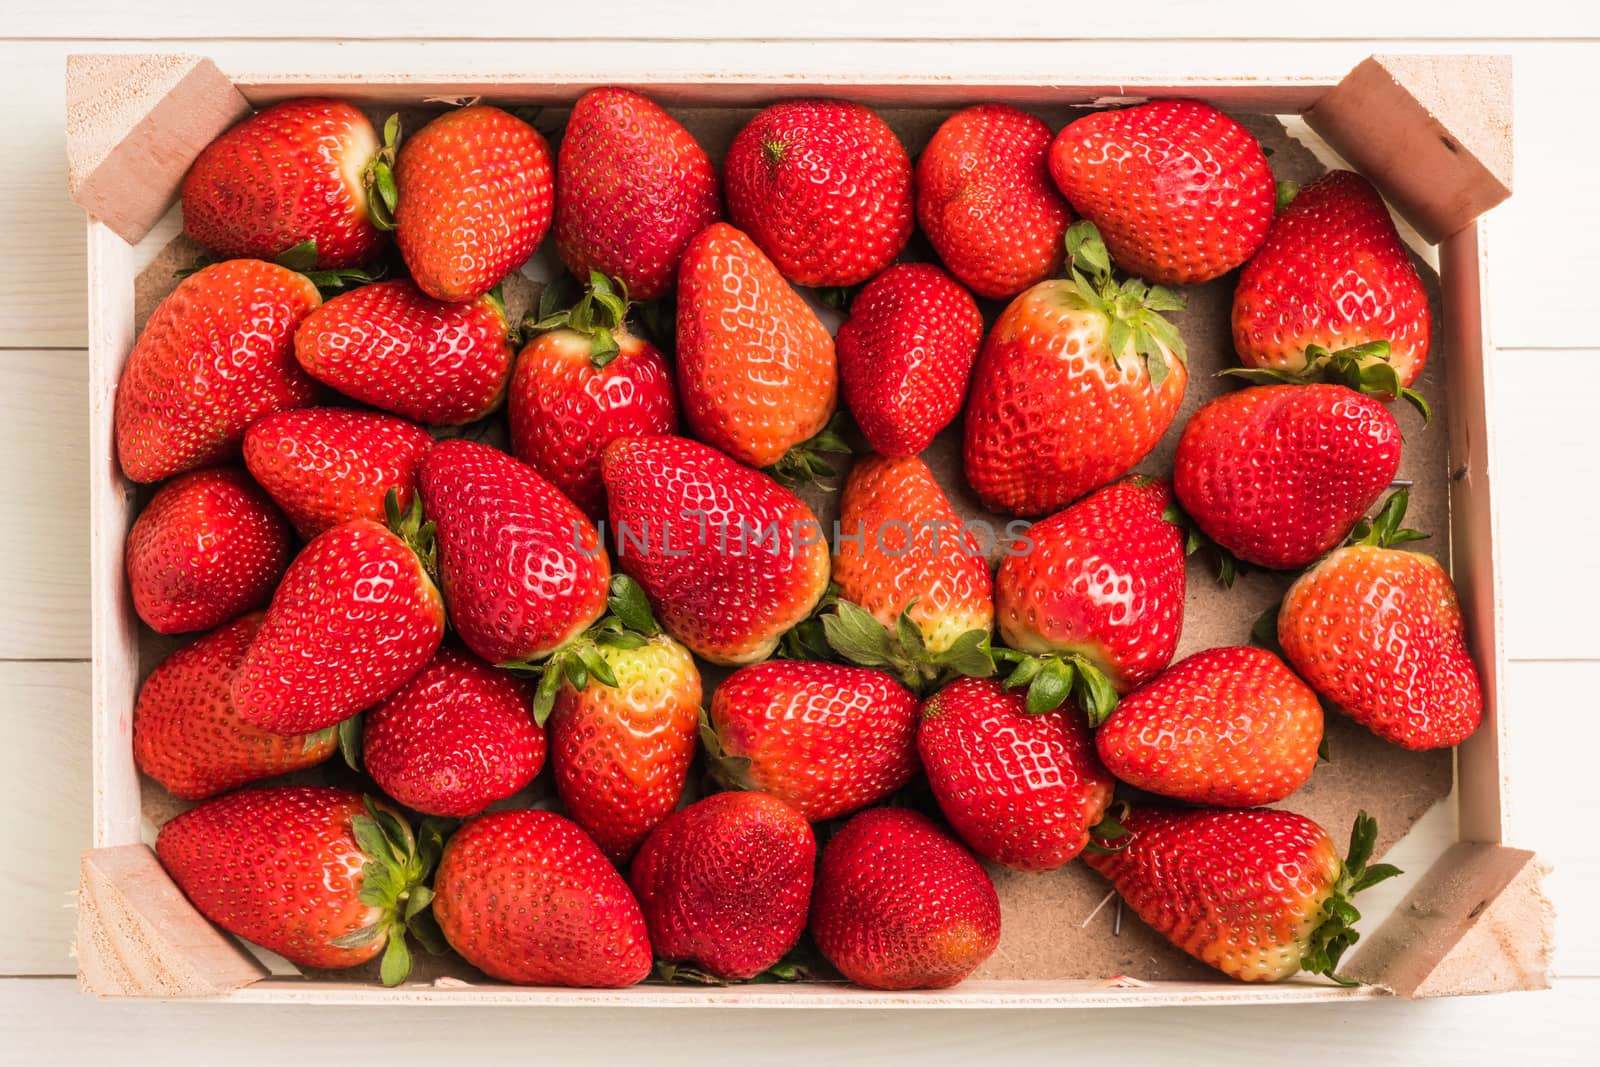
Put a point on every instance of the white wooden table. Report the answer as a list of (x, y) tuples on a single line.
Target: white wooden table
[(1545, 243)]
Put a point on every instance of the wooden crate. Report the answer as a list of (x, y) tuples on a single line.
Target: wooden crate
[(1433, 132)]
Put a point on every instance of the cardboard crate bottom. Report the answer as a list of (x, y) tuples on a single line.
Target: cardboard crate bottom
[(1475, 922)]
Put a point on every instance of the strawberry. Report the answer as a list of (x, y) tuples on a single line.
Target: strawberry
[(824, 187), (291, 173), (522, 569), (525, 897), (580, 385), (473, 192), (326, 466), (355, 617), (187, 735), (1258, 894), (986, 201), (1279, 474), (209, 547), (756, 369), (825, 738), (1181, 192), (1093, 597), (725, 883), (905, 355), (215, 355), (455, 738), (632, 187), (1022, 789), (729, 558), (323, 877), (392, 346), (1379, 633), (1227, 726), (899, 905), (621, 751), (1077, 381), (1332, 274), (903, 555)]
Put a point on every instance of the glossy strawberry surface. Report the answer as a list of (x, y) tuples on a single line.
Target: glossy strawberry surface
[(186, 733), (757, 373), (824, 187), (900, 905), (1379, 633), (905, 355), (632, 187), (1103, 579), (526, 897), (725, 884), (986, 201), (1181, 192), (207, 548), (394, 347), (621, 753), (354, 618), (826, 739), (475, 198), (455, 738), (290, 173), (1228, 726), (1021, 790), (326, 466), (522, 569), (1279, 474), (1334, 273), (730, 559), (215, 355)]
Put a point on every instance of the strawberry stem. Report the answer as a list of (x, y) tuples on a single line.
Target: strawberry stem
[(1383, 529), (1337, 932), (377, 177)]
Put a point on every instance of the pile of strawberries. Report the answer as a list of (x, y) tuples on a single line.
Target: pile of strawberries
[(454, 616)]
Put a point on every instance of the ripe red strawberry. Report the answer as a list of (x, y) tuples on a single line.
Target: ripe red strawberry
[(1021, 789), (986, 201), (186, 734), (209, 547), (1078, 380), (1379, 633), (621, 752), (1227, 726), (326, 466), (290, 173), (455, 738), (391, 346), (902, 551), (1333, 274), (900, 905), (1094, 597), (216, 355), (525, 897), (522, 569), (725, 883), (729, 558), (474, 197), (1180, 191), (632, 187), (323, 877), (824, 187), (1258, 894), (584, 382), (905, 355), (1279, 474), (756, 369), (355, 617), (825, 738)]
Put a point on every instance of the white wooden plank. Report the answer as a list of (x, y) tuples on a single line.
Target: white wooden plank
[(44, 525), (45, 792)]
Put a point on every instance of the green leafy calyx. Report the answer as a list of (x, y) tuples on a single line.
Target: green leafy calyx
[(600, 314), (378, 178), (1133, 307), (1383, 529), (1337, 932), (393, 879), (1052, 677), (1365, 368), (855, 635), (803, 464)]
